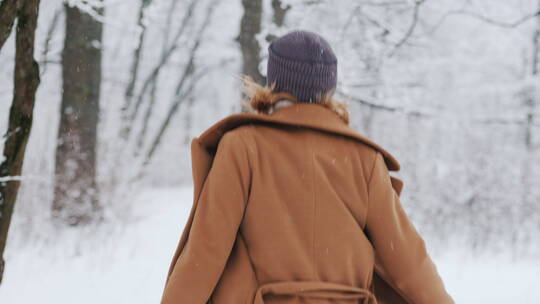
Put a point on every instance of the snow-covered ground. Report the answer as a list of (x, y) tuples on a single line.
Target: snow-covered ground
[(128, 264)]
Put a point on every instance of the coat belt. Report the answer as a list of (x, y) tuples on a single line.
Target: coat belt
[(315, 289)]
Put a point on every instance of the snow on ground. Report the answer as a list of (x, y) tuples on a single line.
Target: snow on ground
[(129, 265)]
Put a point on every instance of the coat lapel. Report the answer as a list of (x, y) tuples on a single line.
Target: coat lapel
[(307, 115)]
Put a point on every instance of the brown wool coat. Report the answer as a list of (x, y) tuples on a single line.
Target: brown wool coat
[(297, 207)]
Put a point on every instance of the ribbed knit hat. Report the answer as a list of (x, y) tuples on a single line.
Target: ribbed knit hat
[(303, 64)]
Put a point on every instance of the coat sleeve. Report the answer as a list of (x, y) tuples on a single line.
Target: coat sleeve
[(401, 256), (216, 221)]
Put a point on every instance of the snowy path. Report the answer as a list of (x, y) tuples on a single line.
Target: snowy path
[(129, 267)]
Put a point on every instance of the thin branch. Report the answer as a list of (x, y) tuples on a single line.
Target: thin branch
[(385, 108), (165, 55), (417, 113), (168, 25), (498, 121), (149, 109), (172, 112), (20, 178), (137, 53), (48, 38), (375, 22), (358, 11), (503, 24), (349, 20), (49, 61), (146, 119), (180, 94), (164, 126), (536, 47), (156, 70), (410, 30), (385, 3)]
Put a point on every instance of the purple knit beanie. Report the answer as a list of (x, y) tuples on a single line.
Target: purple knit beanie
[(303, 64)]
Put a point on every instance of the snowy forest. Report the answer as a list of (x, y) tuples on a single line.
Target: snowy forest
[(99, 101)]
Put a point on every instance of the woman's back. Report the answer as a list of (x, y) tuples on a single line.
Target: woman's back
[(307, 205)]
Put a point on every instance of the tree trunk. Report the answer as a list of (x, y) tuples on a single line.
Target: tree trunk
[(250, 26), (75, 192), (26, 81)]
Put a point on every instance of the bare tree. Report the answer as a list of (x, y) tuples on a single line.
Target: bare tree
[(132, 111), (26, 80), (137, 55), (75, 191), (184, 88), (165, 53), (139, 140)]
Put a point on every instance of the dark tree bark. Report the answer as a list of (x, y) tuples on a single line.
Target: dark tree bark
[(8, 13), (75, 191), (279, 12), (26, 81), (250, 26)]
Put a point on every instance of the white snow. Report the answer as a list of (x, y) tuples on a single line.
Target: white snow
[(129, 265)]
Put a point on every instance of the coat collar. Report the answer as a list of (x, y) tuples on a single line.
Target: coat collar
[(308, 115)]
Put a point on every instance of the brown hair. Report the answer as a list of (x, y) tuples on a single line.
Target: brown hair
[(261, 99)]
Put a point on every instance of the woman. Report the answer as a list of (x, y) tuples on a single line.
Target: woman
[(291, 205)]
